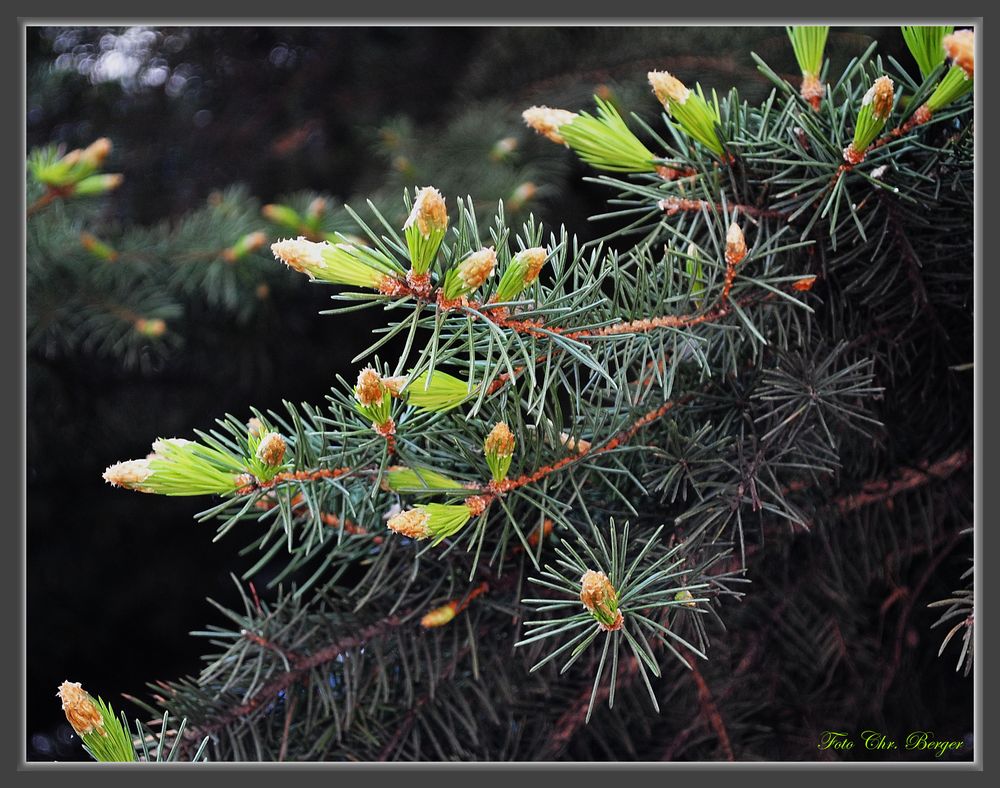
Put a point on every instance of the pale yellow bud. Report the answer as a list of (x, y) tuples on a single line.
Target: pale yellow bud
[(97, 151), (429, 212), (736, 247), (475, 269), (411, 523), (547, 121), (271, 450), (961, 48), (369, 389), (316, 208), (394, 384), (601, 599), (439, 616), (880, 96), (129, 474), (155, 327), (159, 446), (80, 709), (300, 254), (500, 441), (595, 589), (668, 88), (535, 258)]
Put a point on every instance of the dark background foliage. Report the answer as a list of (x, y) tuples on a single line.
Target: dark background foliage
[(115, 581)]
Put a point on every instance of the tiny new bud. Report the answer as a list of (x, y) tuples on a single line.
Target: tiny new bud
[(255, 427), (429, 213), (424, 229), (80, 709), (439, 616), (523, 270), (301, 255), (547, 121), (688, 109), (574, 444), (160, 446), (129, 474), (249, 243), (736, 247), (411, 523), (667, 88), (95, 153), (316, 209), (98, 248), (960, 47), (283, 215), (475, 269), (155, 327), (97, 184), (500, 441), (470, 274), (535, 259), (540, 532), (394, 384), (499, 449), (876, 106), (369, 389), (271, 449), (685, 598), (374, 400), (880, 96), (601, 599), (522, 194), (503, 148), (433, 520), (804, 284)]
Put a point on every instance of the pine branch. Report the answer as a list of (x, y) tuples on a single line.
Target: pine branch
[(906, 479), (301, 665), (575, 716), (748, 660), (709, 710), (889, 674)]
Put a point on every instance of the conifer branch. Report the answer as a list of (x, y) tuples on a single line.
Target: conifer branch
[(709, 709), (301, 666), (908, 478)]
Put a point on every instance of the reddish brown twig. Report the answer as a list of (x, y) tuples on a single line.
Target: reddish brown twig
[(874, 491), (300, 668), (289, 711), (51, 195), (294, 476), (349, 526), (708, 708), (411, 716), (909, 479), (575, 716), (921, 116), (496, 489), (253, 637), (748, 660), (673, 205)]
